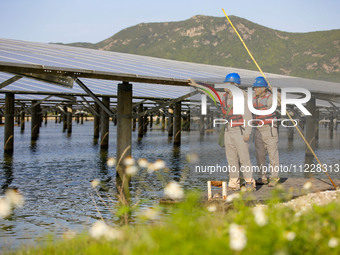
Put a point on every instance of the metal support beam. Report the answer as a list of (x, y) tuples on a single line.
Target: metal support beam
[(10, 81), (89, 107), (94, 97), (155, 109), (9, 124)]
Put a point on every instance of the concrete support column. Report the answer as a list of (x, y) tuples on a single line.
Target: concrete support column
[(64, 118), (104, 125), (69, 119), (317, 125), (140, 122), (291, 133), (171, 121), (35, 119), (134, 122), (177, 123), (201, 125), (163, 122), (46, 118), (331, 123), (145, 126), (22, 118), (151, 121), (124, 134), (311, 124), (96, 122), (9, 124)]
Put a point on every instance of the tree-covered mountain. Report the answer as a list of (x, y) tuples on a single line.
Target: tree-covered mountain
[(211, 40)]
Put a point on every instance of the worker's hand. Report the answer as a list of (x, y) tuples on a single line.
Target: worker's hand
[(246, 137), (193, 83)]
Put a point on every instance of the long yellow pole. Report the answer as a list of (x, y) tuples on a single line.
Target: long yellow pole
[(290, 117)]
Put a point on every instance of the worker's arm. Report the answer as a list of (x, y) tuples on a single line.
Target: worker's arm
[(206, 90)]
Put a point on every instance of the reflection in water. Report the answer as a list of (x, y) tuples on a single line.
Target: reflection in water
[(8, 171), (55, 172), (176, 164), (309, 162), (33, 146)]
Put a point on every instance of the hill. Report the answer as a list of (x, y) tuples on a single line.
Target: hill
[(211, 40)]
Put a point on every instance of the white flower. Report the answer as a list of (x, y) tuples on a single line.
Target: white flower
[(142, 163), (212, 208), (101, 230), (333, 242), (14, 197), (307, 185), (232, 197), (238, 238), (260, 216), (68, 235), (95, 183), (150, 214), (5, 207), (98, 229), (129, 161), (192, 158), (111, 162), (112, 234), (159, 164), (174, 191), (131, 170), (289, 235)]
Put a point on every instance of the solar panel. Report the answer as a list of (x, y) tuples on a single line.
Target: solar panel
[(61, 56)]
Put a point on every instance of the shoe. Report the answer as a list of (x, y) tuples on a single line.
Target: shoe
[(273, 182), (262, 181), (249, 186), (233, 188)]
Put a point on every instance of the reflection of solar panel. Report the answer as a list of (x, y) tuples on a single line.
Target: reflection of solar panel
[(21, 52)]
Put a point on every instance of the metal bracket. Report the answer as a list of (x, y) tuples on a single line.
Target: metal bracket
[(65, 81)]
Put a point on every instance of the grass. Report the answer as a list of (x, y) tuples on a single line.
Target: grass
[(191, 227)]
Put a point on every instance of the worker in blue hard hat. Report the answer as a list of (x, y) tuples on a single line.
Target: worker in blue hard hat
[(265, 134), (236, 137)]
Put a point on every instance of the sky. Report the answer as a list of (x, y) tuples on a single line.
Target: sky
[(92, 21)]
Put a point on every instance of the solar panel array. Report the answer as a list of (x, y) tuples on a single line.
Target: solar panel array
[(62, 56)]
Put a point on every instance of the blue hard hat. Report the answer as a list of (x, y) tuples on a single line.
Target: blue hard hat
[(260, 82), (233, 77)]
